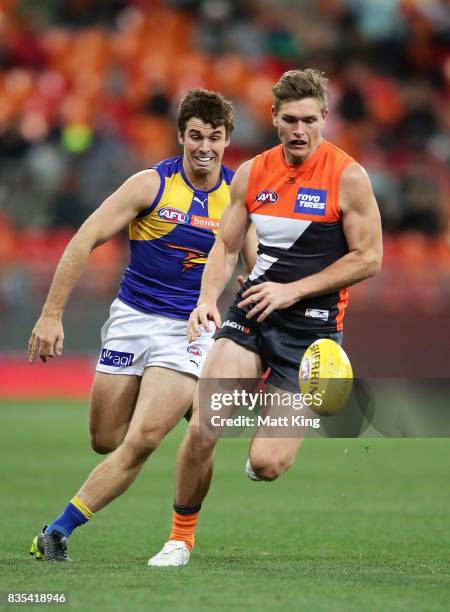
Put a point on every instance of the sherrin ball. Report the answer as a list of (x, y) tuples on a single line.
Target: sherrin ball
[(326, 373)]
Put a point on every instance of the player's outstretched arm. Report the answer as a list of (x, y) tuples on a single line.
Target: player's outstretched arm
[(136, 194), (222, 258), (362, 229)]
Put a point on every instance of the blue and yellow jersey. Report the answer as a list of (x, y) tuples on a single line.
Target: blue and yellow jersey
[(170, 242)]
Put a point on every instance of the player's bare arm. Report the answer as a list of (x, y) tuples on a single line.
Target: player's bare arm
[(133, 196), (362, 228), (248, 252), (222, 258), (249, 249)]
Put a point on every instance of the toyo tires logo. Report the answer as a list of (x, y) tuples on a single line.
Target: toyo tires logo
[(311, 201)]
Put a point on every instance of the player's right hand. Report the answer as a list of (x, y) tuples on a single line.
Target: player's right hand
[(201, 315), (46, 339)]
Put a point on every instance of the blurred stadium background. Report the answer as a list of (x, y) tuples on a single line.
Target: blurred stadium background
[(88, 95)]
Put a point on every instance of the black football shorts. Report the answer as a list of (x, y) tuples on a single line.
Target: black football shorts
[(280, 349)]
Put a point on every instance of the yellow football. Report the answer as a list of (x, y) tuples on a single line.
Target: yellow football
[(326, 373)]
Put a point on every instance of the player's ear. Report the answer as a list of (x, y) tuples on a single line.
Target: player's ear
[(325, 114), (274, 116), (180, 138)]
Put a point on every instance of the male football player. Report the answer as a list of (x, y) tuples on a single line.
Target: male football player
[(318, 228), (147, 370)]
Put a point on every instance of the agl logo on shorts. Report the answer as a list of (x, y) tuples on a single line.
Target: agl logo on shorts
[(311, 201), (173, 215), (117, 359)]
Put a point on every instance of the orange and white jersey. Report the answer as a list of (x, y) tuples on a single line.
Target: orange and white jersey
[(297, 217)]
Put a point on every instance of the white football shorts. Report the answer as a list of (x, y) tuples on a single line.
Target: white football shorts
[(133, 341)]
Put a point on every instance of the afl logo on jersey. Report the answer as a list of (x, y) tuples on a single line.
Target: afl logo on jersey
[(311, 201), (267, 197), (173, 215)]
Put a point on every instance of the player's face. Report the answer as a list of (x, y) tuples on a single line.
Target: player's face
[(299, 124), (204, 146)]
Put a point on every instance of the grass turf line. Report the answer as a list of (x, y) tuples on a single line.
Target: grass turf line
[(355, 524)]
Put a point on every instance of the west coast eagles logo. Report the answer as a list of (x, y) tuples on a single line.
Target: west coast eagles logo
[(192, 257)]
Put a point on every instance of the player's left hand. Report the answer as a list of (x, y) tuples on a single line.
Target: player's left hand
[(268, 297)]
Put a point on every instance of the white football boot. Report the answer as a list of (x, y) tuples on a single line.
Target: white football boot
[(250, 473), (174, 553)]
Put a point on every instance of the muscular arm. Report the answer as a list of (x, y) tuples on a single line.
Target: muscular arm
[(223, 256), (136, 194), (249, 249), (362, 229)]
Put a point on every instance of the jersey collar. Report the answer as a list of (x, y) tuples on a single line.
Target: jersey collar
[(311, 161), (191, 186)]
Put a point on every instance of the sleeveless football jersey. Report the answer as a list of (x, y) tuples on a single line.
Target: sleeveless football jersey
[(297, 217), (170, 242)]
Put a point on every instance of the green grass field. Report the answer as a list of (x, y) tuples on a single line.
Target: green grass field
[(355, 525)]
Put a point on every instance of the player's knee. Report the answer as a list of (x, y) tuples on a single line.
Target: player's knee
[(198, 441), (103, 444), (270, 468), (141, 444)]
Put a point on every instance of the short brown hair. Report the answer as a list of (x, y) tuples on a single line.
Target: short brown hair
[(299, 84), (209, 106)]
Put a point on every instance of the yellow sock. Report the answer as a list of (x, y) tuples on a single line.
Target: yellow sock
[(76, 501)]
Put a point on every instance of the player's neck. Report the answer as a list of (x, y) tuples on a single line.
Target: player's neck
[(203, 182), (295, 161)]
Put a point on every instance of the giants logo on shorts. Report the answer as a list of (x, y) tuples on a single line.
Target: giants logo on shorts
[(194, 350), (267, 197), (311, 201), (116, 359), (317, 313), (237, 326), (173, 215)]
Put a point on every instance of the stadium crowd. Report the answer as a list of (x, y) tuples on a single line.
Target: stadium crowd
[(89, 90)]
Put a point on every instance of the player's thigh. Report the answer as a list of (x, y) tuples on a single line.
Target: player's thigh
[(111, 406), (228, 359), (228, 365), (163, 399)]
